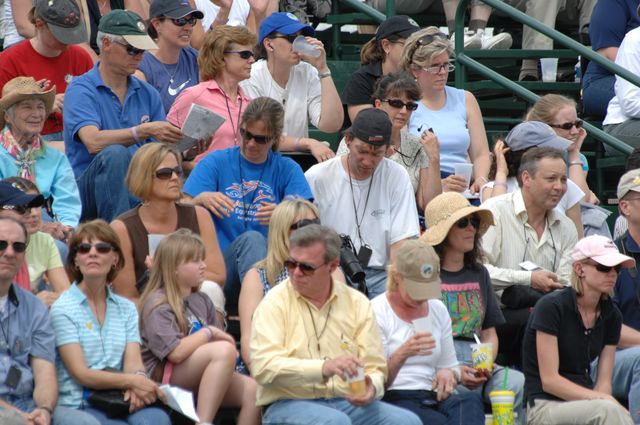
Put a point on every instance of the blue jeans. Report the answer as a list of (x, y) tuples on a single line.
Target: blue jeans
[(102, 189), (243, 253), (146, 416), (457, 409), (597, 91), (336, 411), (376, 281), (515, 380), (626, 378), (61, 415)]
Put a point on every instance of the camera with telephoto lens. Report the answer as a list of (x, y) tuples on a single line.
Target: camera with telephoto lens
[(351, 265)]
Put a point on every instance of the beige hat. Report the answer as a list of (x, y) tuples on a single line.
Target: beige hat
[(630, 181), (445, 210), (419, 265), (21, 88)]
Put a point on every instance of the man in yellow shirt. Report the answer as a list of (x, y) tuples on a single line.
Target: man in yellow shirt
[(310, 334)]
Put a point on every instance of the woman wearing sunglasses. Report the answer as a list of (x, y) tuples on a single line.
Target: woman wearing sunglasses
[(154, 176), (174, 66), (241, 187), (568, 330), (97, 333), (183, 343), (305, 88), (452, 114), (454, 229), (398, 95)]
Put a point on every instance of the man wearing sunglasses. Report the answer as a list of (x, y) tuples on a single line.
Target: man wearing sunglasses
[(311, 335), (109, 114), (528, 250)]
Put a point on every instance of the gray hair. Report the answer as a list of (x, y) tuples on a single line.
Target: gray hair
[(313, 233), (112, 37), (531, 158), (10, 109)]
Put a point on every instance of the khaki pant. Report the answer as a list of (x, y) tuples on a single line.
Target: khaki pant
[(582, 412)]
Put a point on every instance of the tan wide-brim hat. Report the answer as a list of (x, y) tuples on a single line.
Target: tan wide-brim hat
[(22, 88), (445, 210)]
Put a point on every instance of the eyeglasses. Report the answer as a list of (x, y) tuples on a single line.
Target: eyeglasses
[(398, 104), (306, 269), (181, 22), (448, 67), (464, 222), (568, 125), (20, 209), (101, 247), (131, 51), (304, 222), (244, 54), (602, 268), (424, 40), (289, 38), (167, 173), (258, 138), (18, 247)]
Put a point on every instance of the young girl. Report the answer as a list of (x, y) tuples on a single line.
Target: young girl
[(182, 343)]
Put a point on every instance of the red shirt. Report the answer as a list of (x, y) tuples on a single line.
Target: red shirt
[(21, 60)]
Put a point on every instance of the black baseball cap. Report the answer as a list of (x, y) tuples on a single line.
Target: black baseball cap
[(173, 9), (64, 19), (372, 126), (400, 25), (11, 197)]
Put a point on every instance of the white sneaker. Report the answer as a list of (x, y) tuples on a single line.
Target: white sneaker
[(502, 40), (472, 40)]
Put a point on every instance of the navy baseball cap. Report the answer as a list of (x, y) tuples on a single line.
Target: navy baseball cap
[(173, 9), (11, 197), (372, 126), (285, 23)]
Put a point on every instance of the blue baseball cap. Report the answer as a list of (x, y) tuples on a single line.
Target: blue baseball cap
[(285, 23)]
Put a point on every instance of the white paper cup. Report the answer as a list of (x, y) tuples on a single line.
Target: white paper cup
[(422, 324), (154, 240), (302, 46), (465, 170), (549, 69)]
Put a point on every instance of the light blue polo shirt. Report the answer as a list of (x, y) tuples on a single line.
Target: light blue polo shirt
[(102, 347), (88, 101)]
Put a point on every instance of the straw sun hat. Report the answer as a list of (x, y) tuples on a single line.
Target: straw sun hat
[(21, 88), (445, 210)]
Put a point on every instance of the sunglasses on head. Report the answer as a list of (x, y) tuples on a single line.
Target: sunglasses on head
[(425, 40), (604, 269), (244, 54), (131, 51), (398, 104), (20, 209), (306, 269), (181, 22), (568, 125), (167, 173), (258, 138), (464, 222), (17, 246), (101, 247), (289, 38), (304, 222)]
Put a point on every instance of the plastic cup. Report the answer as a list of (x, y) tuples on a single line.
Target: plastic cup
[(488, 419), (463, 169), (482, 356), (301, 45), (549, 69), (154, 240), (502, 407), (423, 324), (357, 385)]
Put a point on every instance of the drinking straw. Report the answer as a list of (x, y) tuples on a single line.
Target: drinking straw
[(475, 336), (504, 381)]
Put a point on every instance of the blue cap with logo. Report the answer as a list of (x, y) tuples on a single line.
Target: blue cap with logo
[(285, 23)]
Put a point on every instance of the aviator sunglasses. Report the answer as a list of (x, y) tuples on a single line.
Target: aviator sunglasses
[(260, 139), (568, 125), (306, 269), (84, 248), (398, 104), (18, 247), (20, 209), (166, 173), (464, 222)]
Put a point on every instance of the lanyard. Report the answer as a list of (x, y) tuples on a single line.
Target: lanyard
[(7, 335), (353, 198)]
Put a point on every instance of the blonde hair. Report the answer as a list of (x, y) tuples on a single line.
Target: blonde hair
[(576, 283), (175, 249), (284, 215), (418, 56), (139, 178), (392, 284), (216, 42), (546, 108)]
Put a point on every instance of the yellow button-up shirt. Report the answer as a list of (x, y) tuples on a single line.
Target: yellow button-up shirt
[(291, 339)]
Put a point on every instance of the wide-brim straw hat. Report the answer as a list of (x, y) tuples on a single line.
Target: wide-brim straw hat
[(22, 88), (445, 210)]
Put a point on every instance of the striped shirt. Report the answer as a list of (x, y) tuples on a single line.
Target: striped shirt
[(102, 346)]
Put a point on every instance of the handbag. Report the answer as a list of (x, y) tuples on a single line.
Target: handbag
[(520, 296), (111, 402)]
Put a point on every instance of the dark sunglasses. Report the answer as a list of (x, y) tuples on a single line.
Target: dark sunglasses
[(18, 247), (398, 104), (289, 38), (20, 209), (425, 40), (306, 269), (181, 22), (167, 173), (101, 247), (131, 51), (568, 125), (304, 222), (464, 222), (260, 139), (604, 269), (244, 54)]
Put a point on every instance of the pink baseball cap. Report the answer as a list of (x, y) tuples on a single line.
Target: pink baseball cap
[(602, 250)]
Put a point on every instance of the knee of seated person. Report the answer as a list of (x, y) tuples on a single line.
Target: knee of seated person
[(221, 351), (115, 153), (252, 238)]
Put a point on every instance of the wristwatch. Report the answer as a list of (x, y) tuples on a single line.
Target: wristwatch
[(324, 74)]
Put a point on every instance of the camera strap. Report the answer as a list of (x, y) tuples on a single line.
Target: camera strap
[(353, 198)]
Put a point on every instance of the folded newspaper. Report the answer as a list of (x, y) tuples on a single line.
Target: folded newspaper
[(201, 123), (181, 401)]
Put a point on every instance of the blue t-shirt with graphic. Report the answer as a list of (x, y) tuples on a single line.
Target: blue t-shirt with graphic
[(248, 185)]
